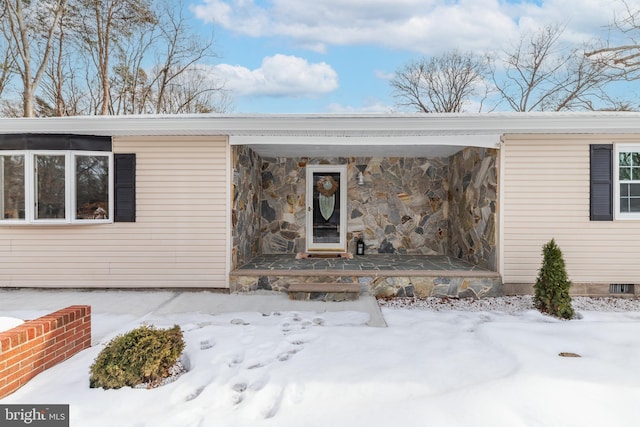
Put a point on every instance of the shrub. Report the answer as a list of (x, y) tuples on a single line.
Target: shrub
[(552, 284), (142, 356)]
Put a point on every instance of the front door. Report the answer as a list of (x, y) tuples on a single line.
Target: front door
[(326, 208)]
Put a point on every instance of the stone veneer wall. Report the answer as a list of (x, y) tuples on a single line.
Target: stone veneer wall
[(245, 214), (473, 206), (402, 206), (477, 285)]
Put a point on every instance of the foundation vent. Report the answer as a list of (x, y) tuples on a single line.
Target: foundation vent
[(621, 288)]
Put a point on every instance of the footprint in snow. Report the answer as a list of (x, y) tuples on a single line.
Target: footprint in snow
[(189, 391), (239, 387), (259, 384), (298, 323), (238, 395), (300, 339), (195, 394), (256, 366), (286, 355), (271, 399), (266, 402), (305, 324), (295, 392), (206, 344), (236, 359)]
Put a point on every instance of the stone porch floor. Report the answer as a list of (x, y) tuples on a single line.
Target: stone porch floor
[(385, 275)]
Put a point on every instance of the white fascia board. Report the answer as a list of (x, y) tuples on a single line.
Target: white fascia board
[(401, 125)]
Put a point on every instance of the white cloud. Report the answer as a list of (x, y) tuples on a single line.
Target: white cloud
[(426, 26), (384, 75), (370, 106), (279, 75)]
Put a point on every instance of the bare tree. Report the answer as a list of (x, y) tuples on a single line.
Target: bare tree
[(623, 58), (193, 90), (7, 63), (105, 57), (105, 24), (130, 82), (52, 99), (62, 92), (7, 67), (57, 72), (30, 28), (159, 35), (541, 75), (183, 49), (443, 84), (178, 81), (584, 84)]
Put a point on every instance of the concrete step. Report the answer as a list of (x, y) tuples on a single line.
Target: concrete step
[(324, 291)]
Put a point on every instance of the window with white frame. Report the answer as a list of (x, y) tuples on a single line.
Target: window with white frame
[(627, 177), (12, 185), (59, 186)]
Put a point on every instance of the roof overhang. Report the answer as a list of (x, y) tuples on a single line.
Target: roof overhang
[(364, 146), (287, 135)]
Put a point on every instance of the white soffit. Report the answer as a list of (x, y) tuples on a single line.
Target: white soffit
[(388, 146)]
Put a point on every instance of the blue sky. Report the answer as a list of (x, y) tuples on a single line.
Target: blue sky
[(336, 56)]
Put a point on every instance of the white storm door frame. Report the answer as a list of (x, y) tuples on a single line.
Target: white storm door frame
[(312, 243)]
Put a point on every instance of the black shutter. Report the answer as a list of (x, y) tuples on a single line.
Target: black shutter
[(124, 187), (601, 189)]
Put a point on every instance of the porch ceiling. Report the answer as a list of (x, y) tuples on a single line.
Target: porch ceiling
[(281, 150), (360, 146)]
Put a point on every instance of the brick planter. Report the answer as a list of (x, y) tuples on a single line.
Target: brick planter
[(36, 345)]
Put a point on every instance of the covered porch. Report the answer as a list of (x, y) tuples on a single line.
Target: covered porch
[(424, 203)]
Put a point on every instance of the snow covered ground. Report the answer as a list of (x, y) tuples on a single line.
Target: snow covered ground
[(493, 362), (9, 322)]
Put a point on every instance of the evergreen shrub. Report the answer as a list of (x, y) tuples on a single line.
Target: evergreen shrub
[(551, 291), (145, 355)]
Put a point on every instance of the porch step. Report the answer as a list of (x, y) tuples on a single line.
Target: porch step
[(324, 291)]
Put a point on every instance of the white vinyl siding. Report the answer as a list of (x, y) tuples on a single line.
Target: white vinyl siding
[(179, 238), (545, 196)]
